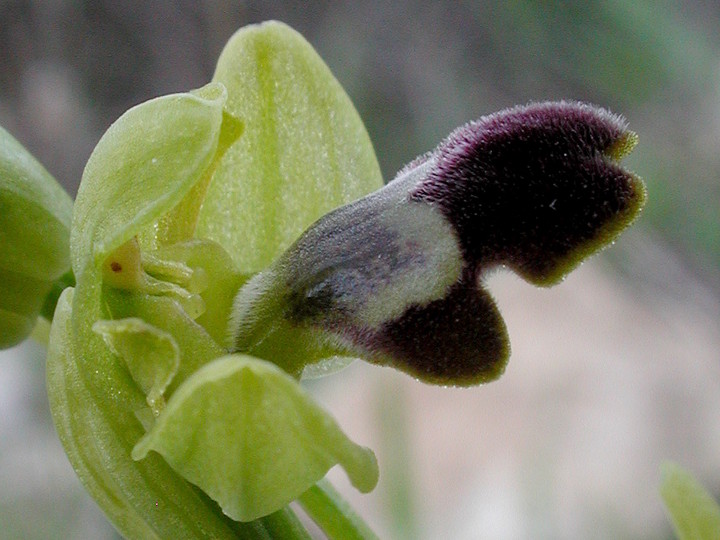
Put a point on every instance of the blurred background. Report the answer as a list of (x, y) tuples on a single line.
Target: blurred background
[(612, 372)]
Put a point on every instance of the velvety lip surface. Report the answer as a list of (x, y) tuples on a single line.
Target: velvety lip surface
[(396, 277)]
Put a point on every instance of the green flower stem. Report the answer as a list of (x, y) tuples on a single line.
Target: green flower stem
[(333, 514), (285, 524), (281, 524)]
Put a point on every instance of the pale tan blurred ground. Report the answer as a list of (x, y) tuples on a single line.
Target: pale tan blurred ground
[(604, 384)]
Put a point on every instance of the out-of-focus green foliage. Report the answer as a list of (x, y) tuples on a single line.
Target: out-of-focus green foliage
[(694, 513), (625, 51)]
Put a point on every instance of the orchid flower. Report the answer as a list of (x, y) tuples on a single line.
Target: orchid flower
[(199, 303)]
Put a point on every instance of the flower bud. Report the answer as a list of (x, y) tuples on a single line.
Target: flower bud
[(35, 215)]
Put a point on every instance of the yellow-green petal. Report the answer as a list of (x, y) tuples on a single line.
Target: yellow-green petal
[(250, 437), (141, 168), (151, 355), (196, 346), (304, 150)]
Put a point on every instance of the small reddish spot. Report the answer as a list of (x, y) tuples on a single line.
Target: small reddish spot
[(115, 266)]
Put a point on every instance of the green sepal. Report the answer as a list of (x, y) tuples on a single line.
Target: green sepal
[(304, 152), (249, 436), (694, 513)]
